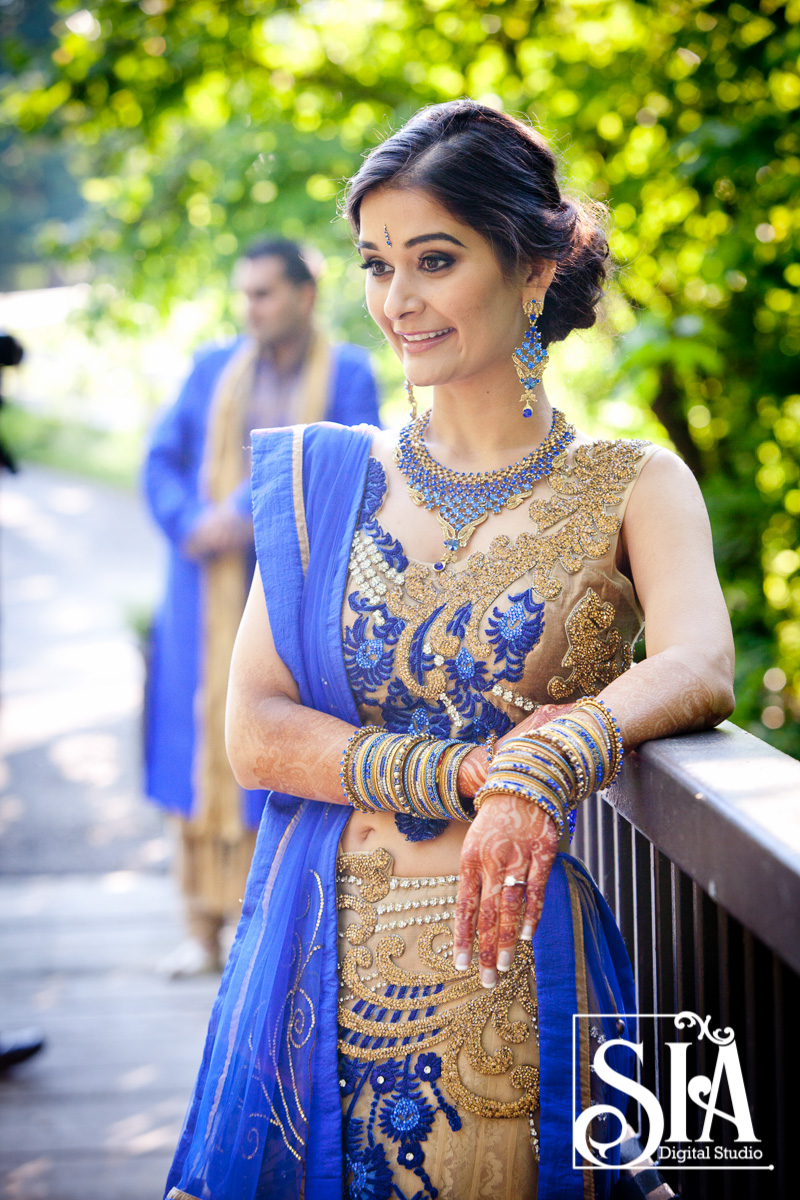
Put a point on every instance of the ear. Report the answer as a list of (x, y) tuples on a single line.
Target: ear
[(538, 280)]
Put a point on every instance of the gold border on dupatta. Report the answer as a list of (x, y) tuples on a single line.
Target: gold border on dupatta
[(297, 495), (582, 999)]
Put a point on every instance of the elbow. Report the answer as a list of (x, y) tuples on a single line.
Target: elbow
[(250, 769), (722, 700), (243, 766)]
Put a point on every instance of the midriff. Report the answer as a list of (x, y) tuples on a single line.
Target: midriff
[(366, 832)]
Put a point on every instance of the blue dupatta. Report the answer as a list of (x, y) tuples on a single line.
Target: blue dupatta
[(265, 1116)]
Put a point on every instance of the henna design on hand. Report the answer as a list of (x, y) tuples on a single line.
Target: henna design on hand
[(508, 837)]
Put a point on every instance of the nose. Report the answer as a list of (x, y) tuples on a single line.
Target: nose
[(402, 298)]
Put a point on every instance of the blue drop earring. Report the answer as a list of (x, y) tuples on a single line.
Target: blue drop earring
[(530, 358)]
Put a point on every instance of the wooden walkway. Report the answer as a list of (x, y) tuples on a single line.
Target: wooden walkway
[(87, 906)]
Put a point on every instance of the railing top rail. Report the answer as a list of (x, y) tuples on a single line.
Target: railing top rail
[(725, 808)]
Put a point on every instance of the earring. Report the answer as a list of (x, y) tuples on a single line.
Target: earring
[(530, 358), (412, 400)]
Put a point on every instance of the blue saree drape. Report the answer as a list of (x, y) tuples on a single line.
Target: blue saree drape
[(265, 1117)]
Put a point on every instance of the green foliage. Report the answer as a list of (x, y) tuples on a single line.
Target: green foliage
[(196, 125)]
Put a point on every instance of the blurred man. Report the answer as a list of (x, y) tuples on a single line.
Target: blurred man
[(197, 484)]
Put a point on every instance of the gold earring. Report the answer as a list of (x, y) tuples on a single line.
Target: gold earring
[(530, 358), (412, 400)]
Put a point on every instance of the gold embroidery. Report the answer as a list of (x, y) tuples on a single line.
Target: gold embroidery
[(583, 491), (464, 1009), (277, 1066), (594, 648)]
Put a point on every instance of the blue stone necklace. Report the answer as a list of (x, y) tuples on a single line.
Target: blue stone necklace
[(466, 498)]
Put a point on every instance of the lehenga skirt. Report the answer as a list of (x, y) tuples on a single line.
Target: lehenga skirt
[(439, 1077)]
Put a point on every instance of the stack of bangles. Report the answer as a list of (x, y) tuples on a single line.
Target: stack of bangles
[(554, 767), (412, 774), (559, 764)]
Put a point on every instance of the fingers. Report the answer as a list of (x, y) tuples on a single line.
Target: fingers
[(537, 881), (512, 904), (467, 906)]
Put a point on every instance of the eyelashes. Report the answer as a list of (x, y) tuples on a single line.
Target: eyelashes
[(429, 264)]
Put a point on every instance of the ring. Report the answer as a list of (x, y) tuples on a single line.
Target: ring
[(510, 881)]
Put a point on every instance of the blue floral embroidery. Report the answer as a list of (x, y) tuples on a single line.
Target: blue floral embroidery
[(419, 829), (468, 678), (370, 1173), (404, 713), (369, 657), (515, 632), (402, 1113), (370, 645), (374, 493), (488, 720)]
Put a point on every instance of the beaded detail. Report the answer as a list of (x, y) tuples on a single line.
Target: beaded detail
[(416, 1036), (596, 652), (465, 499), (458, 653)]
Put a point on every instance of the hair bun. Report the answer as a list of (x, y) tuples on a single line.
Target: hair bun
[(574, 295)]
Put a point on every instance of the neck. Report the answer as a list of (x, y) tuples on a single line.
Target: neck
[(480, 427), (289, 352)]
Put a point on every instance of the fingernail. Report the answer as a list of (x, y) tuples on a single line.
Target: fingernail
[(488, 979), (504, 960), (461, 962), (527, 932)]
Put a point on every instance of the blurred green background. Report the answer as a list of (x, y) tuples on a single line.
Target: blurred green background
[(144, 144)]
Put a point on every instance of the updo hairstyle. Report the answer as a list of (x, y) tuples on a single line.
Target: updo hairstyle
[(497, 175)]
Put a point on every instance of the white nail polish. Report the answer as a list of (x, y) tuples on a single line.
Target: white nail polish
[(461, 962), (527, 932), (504, 960), (488, 979)]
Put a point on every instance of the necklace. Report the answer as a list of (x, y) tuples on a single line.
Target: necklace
[(466, 498)]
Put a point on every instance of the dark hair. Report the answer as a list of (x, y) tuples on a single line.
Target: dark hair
[(290, 254), (498, 175)]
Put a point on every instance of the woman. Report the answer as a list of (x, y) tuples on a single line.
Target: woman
[(478, 577)]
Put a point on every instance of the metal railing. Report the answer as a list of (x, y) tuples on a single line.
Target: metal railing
[(697, 851)]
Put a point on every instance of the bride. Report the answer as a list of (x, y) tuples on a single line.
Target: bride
[(432, 672)]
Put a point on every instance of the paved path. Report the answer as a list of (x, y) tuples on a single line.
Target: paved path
[(86, 904)]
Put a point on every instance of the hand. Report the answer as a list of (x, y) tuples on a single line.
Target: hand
[(509, 836), (221, 530)]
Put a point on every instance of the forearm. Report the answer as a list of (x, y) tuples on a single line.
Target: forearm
[(280, 745), (676, 691)]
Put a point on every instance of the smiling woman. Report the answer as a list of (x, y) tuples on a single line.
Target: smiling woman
[(419, 951)]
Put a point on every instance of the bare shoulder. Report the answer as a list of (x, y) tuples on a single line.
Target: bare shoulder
[(666, 490), (383, 446)]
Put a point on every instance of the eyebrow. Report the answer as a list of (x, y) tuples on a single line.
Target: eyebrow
[(417, 241)]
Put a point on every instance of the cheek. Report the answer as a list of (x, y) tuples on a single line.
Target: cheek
[(374, 298)]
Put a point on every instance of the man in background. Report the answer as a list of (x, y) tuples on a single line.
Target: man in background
[(197, 484)]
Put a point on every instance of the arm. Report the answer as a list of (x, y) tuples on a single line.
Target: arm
[(685, 683), (273, 741)]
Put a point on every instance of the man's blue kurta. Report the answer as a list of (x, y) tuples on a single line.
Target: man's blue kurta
[(172, 483)]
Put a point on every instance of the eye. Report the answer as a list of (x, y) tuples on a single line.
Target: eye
[(375, 266), (435, 262)]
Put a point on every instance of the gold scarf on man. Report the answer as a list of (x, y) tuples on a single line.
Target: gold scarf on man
[(218, 808)]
